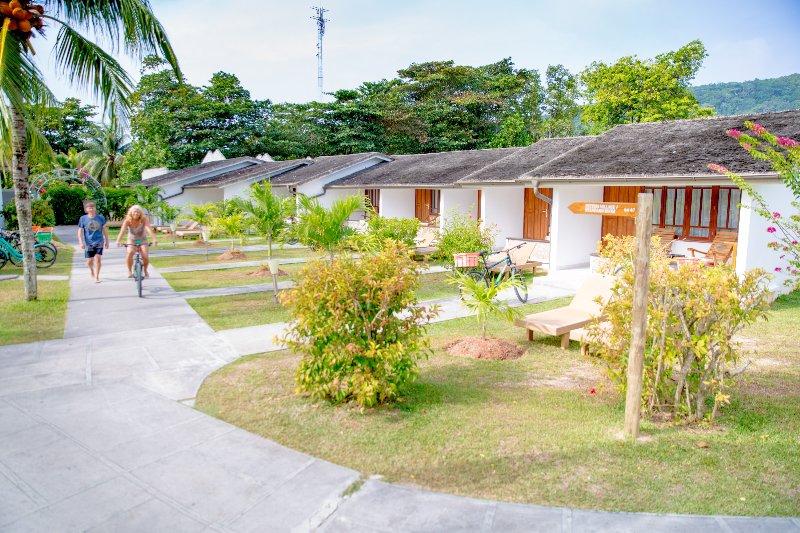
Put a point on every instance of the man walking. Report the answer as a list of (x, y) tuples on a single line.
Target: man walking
[(93, 236)]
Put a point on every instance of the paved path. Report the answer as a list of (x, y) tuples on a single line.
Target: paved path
[(95, 435)]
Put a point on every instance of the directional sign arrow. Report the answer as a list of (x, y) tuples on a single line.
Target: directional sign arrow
[(609, 209)]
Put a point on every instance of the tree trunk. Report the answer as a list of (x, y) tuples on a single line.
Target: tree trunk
[(19, 171)]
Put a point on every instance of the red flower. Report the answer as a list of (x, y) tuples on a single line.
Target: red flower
[(42, 191), (593, 391), (771, 229), (777, 269), (734, 133), (786, 142)]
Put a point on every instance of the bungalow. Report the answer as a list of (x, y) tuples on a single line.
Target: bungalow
[(669, 160)]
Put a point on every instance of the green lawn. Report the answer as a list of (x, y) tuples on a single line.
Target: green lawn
[(239, 310), (200, 259), (37, 320), (531, 430), (228, 277)]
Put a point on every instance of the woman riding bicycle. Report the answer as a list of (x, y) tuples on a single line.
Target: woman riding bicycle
[(137, 226)]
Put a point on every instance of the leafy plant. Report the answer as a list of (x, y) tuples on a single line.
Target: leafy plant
[(481, 298), (462, 233), (231, 225), (322, 228), (203, 214), (118, 202), (358, 326), (67, 202), (398, 229), (693, 313), (41, 214)]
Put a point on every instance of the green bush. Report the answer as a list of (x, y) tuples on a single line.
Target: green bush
[(67, 202), (462, 233), (398, 229), (41, 213), (358, 326), (118, 202)]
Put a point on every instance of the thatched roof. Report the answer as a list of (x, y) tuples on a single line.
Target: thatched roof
[(266, 169), (514, 165), (663, 150), (441, 169), (200, 171), (322, 166)]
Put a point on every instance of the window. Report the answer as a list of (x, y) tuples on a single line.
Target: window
[(436, 197), (696, 212)]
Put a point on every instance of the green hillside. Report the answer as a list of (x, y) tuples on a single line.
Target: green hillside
[(774, 94)]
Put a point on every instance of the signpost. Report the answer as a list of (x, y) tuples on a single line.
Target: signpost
[(643, 211)]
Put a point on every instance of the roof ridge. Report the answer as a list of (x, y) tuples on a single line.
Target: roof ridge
[(700, 119)]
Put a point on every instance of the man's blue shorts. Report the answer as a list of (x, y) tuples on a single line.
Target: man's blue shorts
[(92, 251)]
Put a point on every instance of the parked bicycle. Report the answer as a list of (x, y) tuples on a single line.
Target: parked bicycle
[(138, 267), (11, 250), (488, 275)]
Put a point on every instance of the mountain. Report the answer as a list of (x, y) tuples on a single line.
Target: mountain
[(774, 94)]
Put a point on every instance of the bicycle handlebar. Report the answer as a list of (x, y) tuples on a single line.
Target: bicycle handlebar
[(125, 244)]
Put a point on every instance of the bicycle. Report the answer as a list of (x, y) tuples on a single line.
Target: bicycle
[(44, 253), (138, 267), (520, 288)]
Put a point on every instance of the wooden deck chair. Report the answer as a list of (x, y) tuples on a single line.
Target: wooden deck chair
[(426, 240), (581, 310), (667, 237), (721, 250)]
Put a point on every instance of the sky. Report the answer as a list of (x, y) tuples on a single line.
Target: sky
[(270, 45)]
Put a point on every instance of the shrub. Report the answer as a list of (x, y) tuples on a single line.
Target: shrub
[(41, 213), (462, 233), (398, 229), (67, 202), (118, 202), (358, 326), (693, 313)]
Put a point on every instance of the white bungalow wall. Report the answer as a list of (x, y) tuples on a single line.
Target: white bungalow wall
[(503, 207), (752, 250), (573, 237), (397, 203), (463, 201), (196, 196)]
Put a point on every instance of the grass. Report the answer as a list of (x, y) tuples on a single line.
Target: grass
[(37, 320), (229, 277), (239, 310), (200, 259), (530, 430)]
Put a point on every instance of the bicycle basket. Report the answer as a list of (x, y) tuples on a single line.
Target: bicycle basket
[(466, 260), (44, 235)]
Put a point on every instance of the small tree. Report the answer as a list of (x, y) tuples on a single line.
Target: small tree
[(398, 229), (358, 326), (231, 225), (324, 229), (268, 212), (693, 313), (147, 197), (169, 215), (462, 233), (481, 298), (203, 214)]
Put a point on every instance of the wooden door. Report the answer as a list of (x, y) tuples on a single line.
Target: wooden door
[(619, 226), (536, 215)]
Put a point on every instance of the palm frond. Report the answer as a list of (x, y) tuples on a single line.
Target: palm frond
[(93, 69)]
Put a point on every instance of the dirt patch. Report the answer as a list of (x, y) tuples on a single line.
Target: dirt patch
[(480, 348), (199, 242), (231, 255), (265, 271)]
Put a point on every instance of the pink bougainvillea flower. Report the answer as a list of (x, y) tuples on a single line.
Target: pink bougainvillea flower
[(794, 243), (718, 168), (747, 146), (771, 229), (777, 269), (734, 133), (786, 142), (758, 129), (775, 214)]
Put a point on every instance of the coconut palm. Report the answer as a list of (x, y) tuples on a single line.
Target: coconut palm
[(129, 23), (322, 228), (105, 153)]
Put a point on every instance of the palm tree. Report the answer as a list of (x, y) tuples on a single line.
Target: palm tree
[(268, 212), (105, 153), (130, 23), (324, 229)]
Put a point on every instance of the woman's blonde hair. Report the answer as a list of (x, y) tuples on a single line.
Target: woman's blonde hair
[(131, 209)]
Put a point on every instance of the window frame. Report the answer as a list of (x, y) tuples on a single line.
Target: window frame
[(686, 225)]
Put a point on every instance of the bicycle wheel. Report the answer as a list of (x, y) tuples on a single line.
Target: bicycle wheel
[(3, 259), (137, 275), (477, 275), (45, 255), (522, 287)]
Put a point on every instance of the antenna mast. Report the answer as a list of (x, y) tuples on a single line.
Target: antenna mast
[(320, 19)]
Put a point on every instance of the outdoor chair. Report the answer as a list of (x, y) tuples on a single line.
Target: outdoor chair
[(190, 230), (667, 237), (721, 250), (587, 305), (426, 241), (520, 258)]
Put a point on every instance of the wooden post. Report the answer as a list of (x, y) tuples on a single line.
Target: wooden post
[(641, 270)]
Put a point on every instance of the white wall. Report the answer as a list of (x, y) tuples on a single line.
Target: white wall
[(752, 249), (503, 207), (573, 237), (197, 196), (463, 201), (397, 203)]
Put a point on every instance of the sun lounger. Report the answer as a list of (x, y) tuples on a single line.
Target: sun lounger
[(426, 241), (190, 230), (581, 310)]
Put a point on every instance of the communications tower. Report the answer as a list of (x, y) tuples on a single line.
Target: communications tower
[(319, 18)]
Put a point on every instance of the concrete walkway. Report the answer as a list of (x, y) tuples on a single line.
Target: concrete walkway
[(95, 435)]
